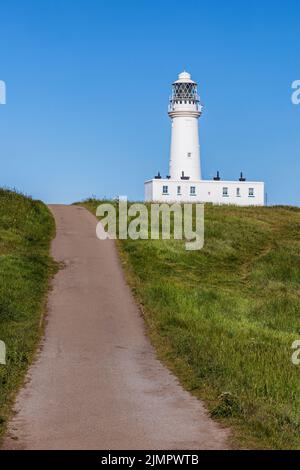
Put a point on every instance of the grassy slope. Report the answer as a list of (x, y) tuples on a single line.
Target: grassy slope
[(224, 318), (26, 228)]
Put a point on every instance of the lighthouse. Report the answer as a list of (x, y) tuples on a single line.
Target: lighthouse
[(184, 111), (184, 182)]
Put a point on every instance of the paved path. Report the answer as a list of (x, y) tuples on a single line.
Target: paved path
[(96, 383)]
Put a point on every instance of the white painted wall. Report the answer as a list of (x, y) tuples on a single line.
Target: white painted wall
[(206, 191), (185, 149)]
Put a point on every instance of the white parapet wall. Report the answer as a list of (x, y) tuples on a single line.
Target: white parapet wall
[(242, 193)]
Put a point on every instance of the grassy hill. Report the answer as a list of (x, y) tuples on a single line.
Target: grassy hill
[(26, 228), (224, 318)]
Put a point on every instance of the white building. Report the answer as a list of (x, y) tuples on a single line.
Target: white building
[(184, 182)]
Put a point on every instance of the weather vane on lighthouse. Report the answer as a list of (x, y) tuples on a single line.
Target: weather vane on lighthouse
[(184, 182)]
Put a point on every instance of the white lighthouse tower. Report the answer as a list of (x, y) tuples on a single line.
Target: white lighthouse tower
[(184, 111), (184, 182)]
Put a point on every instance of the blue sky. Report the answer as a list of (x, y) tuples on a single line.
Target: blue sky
[(88, 83)]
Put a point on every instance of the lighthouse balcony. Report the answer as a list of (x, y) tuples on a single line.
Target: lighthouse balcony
[(184, 105)]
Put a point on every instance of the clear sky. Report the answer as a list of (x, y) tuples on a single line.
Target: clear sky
[(88, 83)]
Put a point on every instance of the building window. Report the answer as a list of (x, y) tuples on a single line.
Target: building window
[(193, 190), (165, 190), (189, 154), (225, 192), (178, 190), (238, 192), (251, 192)]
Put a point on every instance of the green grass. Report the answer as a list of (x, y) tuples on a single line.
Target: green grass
[(224, 318), (26, 228)]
